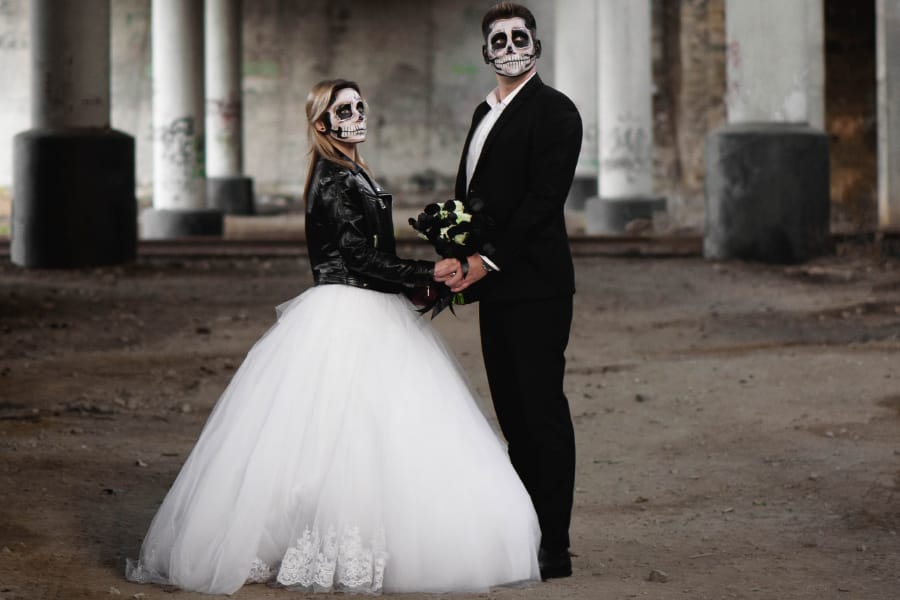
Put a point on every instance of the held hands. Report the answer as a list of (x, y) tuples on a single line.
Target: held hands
[(446, 269), (451, 272)]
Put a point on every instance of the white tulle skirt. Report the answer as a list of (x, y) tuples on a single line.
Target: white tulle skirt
[(347, 453)]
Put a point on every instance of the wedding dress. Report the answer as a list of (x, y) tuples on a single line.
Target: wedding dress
[(346, 454)]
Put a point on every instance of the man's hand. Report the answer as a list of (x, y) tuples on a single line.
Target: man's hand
[(476, 273)]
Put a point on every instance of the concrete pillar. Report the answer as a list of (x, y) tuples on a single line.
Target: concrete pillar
[(179, 179), (226, 187), (73, 191), (625, 115), (575, 71), (767, 171), (888, 75), (776, 61)]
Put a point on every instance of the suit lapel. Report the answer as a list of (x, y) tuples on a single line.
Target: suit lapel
[(482, 110), (506, 116)]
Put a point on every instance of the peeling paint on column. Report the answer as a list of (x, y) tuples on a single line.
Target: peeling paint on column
[(223, 130), (775, 61), (627, 149), (13, 40), (228, 113), (182, 156)]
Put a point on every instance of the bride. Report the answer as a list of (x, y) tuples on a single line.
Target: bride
[(347, 453)]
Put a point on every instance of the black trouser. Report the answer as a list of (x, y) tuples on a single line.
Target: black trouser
[(523, 344)]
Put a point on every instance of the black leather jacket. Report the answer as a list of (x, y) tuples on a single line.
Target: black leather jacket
[(350, 233)]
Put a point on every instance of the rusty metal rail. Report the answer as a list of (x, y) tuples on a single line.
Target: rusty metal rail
[(582, 246)]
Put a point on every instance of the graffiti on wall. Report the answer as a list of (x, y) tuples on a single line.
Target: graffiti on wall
[(182, 152), (627, 150), (225, 112), (13, 26)]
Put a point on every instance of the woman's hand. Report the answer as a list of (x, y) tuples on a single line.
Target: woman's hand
[(447, 270)]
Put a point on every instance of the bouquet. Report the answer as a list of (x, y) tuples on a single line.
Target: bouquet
[(455, 233)]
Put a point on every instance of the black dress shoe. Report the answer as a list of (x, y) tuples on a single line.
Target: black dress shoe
[(554, 564)]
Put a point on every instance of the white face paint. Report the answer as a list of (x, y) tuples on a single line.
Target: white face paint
[(510, 47), (347, 116)]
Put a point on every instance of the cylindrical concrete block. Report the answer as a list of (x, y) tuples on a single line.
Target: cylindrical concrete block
[(73, 198), (613, 216), (231, 195), (163, 224), (583, 187), (767, 193)]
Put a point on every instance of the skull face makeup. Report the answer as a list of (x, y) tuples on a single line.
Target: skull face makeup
[(510, 47), (346, 117)]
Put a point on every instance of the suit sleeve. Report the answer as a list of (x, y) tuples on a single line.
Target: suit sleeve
[(359, 254), (551, 167)]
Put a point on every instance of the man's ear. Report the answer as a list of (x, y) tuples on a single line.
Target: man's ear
[(537, 48), (484, 55)]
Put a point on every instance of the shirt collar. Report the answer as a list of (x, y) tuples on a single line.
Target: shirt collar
[(492, 97)]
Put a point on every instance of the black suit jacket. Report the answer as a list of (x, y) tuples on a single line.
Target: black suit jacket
[(523, 176)]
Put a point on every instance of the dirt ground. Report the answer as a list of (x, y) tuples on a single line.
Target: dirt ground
[(738, 424)]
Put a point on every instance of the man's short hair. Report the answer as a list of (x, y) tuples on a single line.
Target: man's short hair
[(508, 10)]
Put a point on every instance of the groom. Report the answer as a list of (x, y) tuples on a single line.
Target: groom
[(518, 160)]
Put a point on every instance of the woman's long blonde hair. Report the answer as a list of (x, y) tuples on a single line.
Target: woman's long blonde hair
[(321, 146)]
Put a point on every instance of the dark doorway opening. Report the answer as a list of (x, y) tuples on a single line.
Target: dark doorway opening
[(851, 114)]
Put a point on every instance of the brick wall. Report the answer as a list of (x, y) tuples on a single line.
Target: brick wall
[(689, 73)]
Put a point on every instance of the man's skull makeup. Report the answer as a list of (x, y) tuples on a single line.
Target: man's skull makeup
[(346, 117), (510, 47)]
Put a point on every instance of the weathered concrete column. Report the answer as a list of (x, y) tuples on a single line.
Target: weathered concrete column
[(625, 115), (226, 187), (575, 70), (888, 57), (73, 190), (767, 171), (179, 180)]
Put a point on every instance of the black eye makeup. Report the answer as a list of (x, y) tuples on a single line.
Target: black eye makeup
[(520, 38), (361, 107), (343, 111), (498, 41)]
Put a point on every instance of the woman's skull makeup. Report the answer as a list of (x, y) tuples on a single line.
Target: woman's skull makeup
[(346, 117), (510, 47)]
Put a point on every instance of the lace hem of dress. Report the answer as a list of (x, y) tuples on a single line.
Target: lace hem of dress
[(316, 563), (325, 563)]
